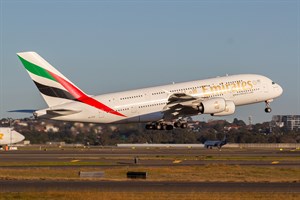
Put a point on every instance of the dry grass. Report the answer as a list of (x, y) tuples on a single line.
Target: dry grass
[(54, 163), (214, 172), (147, 195)]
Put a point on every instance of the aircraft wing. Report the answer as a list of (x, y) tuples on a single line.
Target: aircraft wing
[(181, 105)]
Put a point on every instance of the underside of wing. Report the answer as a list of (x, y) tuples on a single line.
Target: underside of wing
[(181, 105), (184, 105)]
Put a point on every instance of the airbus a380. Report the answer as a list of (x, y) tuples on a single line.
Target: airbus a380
[(162, 107)]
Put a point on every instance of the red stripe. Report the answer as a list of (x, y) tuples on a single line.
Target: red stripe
[(80, 96)]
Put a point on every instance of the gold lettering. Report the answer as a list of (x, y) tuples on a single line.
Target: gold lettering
[(215, 88), (223, 88), (250, 84), (233, 87), (227, 87), (1, 136), (244, 84), (204, 90), (238, 84)]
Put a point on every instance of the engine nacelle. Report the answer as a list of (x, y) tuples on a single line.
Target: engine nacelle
[(211, 106), (230, 109)]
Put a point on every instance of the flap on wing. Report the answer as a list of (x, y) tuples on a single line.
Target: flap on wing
[(183, 100), (62, 112), (180, 97)]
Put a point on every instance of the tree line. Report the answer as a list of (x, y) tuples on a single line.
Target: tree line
[(93, 134)]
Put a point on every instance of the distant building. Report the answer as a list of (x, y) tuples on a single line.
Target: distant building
[(290, 122), (231, 127), (51, 128)]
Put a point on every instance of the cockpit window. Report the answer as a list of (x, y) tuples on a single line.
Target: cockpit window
[(273, 83)]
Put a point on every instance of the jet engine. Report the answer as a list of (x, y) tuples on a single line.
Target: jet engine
[(230, 109), (211, 106)]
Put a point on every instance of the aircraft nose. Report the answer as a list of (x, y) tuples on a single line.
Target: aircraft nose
[(280, 90), (276, 90)]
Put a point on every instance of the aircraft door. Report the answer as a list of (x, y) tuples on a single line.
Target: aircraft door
[(133, 109), (115, 100), (265, 87), (147, 95)]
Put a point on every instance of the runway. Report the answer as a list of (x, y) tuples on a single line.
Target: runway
[(111, 157), (57, 162), (144, 186)]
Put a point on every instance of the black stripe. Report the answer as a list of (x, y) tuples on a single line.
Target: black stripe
[(54, 92)]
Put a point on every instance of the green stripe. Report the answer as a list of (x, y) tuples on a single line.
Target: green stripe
[(37, 70)]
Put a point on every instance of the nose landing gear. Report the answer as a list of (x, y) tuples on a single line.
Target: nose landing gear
[(268, 110), (268, 106)]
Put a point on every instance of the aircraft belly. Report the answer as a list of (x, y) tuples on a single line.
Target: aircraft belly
[(247, 99), (151, 117)]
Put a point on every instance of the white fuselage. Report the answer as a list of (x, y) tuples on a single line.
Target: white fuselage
[(148, 104)]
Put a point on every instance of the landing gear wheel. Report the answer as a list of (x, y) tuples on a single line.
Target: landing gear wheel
[(177, 124), (169, 127), (268, 107), (148, 127), (268, 110), (164, 126), (184, 125), (158, 126)]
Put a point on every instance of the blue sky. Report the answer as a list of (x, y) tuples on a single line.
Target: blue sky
[(109, 46)]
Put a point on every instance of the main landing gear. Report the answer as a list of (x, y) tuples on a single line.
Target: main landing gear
[(268, 106), (180, 124), (159, 126), (166, 126)]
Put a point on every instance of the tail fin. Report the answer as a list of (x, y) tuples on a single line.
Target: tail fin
[(55, 88), (224, 141)]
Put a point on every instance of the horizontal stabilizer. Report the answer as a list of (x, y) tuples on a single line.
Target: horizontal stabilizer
[(61, 112), (23, 111)]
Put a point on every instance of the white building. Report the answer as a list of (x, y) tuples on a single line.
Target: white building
[(291, 122)]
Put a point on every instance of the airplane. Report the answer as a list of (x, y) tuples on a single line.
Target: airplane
[(215, 143), (161, 108), (9, 136)]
